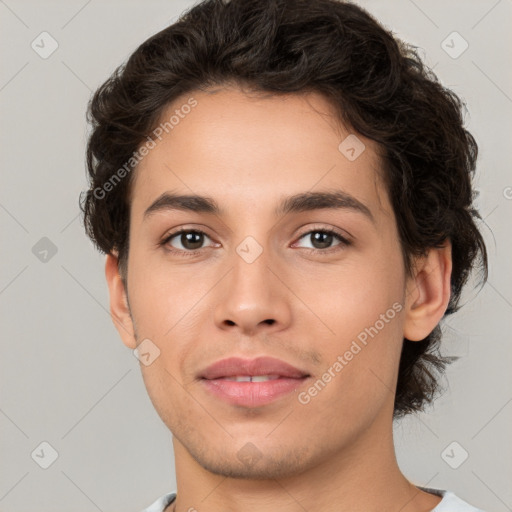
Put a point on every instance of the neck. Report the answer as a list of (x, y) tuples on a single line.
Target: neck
[(361, 477)]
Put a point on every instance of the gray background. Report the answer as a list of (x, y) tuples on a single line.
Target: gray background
[(65, 376)]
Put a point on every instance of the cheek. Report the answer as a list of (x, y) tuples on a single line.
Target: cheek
[(363, 307), (165, 298), (359, 373), (357, 297)]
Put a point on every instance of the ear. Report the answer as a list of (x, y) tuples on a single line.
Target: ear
[(119, 308), (428, 292)]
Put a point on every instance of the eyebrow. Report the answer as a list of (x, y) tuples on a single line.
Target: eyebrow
[(302, 202)]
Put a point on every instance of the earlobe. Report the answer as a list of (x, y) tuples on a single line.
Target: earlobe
[(428, 293), (119, 308)]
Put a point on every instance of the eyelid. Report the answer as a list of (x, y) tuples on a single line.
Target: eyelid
[(344, 235)]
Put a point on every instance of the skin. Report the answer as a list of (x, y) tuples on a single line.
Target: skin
[(335, 452)]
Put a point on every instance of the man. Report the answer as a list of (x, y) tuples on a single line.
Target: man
[(284, 195)]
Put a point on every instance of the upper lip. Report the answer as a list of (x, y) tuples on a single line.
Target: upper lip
[(234, 366)]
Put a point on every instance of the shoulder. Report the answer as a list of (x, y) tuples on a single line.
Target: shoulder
[(451, 502), (161, 503)]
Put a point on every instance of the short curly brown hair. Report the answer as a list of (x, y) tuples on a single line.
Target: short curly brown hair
[(378, 87)]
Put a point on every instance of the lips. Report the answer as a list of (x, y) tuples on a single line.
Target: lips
[(251, 382), (235, 366)]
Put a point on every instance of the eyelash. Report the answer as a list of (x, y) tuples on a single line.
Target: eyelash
[(343, 242)]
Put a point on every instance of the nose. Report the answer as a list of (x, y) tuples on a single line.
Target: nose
[(253, 296)]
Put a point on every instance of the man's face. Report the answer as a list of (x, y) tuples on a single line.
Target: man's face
[(266, 285)]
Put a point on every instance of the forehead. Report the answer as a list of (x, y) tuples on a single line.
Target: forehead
[(249, 151)]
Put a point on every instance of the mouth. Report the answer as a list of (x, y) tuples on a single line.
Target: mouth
[(252, 382)]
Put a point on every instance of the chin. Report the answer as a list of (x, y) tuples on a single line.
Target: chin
[(252, 464)]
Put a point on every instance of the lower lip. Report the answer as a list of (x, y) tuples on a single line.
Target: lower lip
[(252, 394)]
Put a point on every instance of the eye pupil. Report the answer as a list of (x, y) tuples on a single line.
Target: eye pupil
[(322, 237), (188, 238)]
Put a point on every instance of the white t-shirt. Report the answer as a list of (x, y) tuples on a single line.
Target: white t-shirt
[(449, 503)]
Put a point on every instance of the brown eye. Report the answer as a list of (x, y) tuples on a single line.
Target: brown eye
[(190, 240), (322, 240)]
